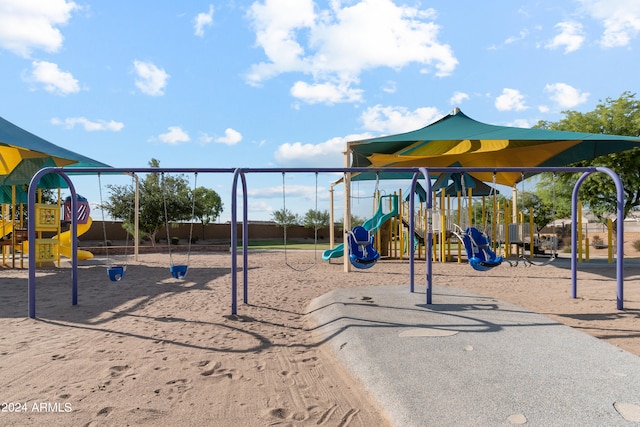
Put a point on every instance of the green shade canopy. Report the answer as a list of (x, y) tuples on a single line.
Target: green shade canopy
[(17, 144), (6, 195), (459, 140), (27, 168)]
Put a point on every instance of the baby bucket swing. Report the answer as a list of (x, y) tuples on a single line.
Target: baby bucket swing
[(476, 243), (179, 271), (115, 271), (361, 239)]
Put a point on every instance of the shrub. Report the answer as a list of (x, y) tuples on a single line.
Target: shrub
[(636, 245)]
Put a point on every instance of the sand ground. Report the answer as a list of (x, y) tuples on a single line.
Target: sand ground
[(153, 350)]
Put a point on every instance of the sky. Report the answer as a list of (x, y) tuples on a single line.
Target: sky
[(286, 83)]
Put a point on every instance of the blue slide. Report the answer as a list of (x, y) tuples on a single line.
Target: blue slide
[(372, 225)]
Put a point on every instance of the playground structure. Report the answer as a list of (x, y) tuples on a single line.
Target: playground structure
[(239, 176), (14, 231), (390, 224)]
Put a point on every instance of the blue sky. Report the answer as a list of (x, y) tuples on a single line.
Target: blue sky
[(277, 83)]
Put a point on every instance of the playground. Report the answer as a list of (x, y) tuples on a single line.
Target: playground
[(155, 350), (153, 347), (338, 340)]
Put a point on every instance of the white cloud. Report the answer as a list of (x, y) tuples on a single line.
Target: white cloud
[(205, 138), (231, 137), (390, 87), (203, 20), (543, 108), (52, 78), (297, 36), (566, 96), (151, 80), (510, 100), (571, 37), (458, 97), (89, 126), (513, 39), (175, 136), (390, 120), (325, 154), (620, 18), (29, 25), (327, 93)]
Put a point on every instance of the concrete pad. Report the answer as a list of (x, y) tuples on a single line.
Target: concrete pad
[(472, 360)]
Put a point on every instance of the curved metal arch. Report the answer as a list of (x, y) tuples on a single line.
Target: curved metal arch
[(619, 234)]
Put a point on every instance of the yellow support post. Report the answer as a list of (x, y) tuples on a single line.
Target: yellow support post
[(531, 231), (507, 238), (579, 243), (427, 226), (470, 206), (448, 240), (443, 220), (401, 228), (458, 221), (494, 222), (586, 249)]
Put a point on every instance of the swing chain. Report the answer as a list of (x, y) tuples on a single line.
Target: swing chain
[(104, 226), (193, 212), (166, 215), (284, 226)]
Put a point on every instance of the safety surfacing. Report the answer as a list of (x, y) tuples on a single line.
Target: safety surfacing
[(471, 360)]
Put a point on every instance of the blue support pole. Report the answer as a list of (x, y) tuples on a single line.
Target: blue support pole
[(619, 234), (31, 225)]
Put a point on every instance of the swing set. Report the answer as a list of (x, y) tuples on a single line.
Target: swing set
[(116, 271), (477, 244), (239, 176)]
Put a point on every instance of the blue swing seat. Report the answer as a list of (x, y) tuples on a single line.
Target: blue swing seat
[(476, 244), (362, 254), (116, 272), (178, 271)]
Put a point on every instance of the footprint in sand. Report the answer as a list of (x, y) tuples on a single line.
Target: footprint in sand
[(116, 371), (217, 374), (105, 411), (178, 386)]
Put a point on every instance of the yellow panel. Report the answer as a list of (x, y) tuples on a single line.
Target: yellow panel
[(46, 250), (47, 217)]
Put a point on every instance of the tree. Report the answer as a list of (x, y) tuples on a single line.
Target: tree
[(355, 220), (285, 218), (316, 219), (158, 194), (207, 206), (555, 193), (532, 203), (614, 116)]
